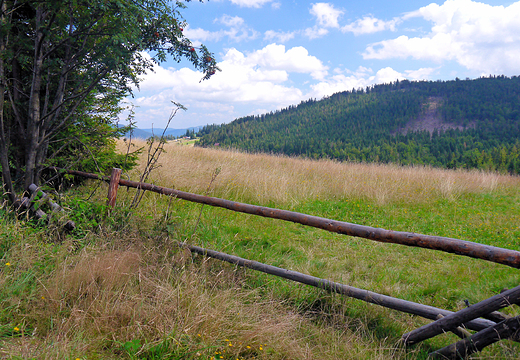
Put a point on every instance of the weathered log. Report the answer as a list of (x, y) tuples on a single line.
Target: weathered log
[(450, 322), (462, 349), (69, 225), (428, 312), (460, 332), (496, 316), (460, 247), (25, 203)]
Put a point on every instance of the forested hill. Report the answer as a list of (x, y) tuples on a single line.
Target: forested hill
[(453, 124)]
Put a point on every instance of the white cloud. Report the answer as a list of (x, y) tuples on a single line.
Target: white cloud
[(478, 36), (296, 59), (260, 78), (237, 31), (230, 21), (278, 36), (257, 80), (315, 32), (362, 77), (369, 25), (326, 14), (436, 48), (387, 75), (420, 74), (199, 34), (276, 5), (326, 17), (250, 3)]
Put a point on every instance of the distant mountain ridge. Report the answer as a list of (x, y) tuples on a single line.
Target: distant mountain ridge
[(452, 124), (147, 133)]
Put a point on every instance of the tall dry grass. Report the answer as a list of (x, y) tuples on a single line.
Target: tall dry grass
[(106, 295), (263, 178), (130, 285)]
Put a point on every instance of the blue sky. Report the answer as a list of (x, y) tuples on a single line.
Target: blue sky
[(276, 53)]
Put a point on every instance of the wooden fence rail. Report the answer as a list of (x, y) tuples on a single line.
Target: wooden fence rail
[(489, 331), (425, 311), (462, 349), (450, 245), (449, 322)]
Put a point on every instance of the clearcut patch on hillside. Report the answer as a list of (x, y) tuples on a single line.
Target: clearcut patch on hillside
[(431, 119)]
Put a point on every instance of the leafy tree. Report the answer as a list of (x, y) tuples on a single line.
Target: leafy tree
[(66, 64)]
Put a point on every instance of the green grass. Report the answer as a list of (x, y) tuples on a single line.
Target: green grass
[(433, 278), (120, 287)]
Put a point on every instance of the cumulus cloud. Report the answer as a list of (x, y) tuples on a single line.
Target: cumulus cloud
[(279, 36), (250, 3), (326, 15), (236, 30), (342, 81), (363, 77), (231, 21), (478, 36), (315, 32), (369, 25), (436, 48), (260, 77), (387, 75), (421, 74), (199, 34), (296, 59)]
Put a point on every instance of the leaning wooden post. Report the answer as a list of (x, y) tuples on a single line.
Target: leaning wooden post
[(464, 348), (114, 185), (451, 321)]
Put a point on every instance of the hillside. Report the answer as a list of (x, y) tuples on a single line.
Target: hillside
[(452, 124)]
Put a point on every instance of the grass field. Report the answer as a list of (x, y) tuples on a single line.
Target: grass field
[(120, 287)]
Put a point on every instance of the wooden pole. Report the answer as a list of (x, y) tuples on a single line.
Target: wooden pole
[(456, 246), (25, 203), (464, 348), (460, 332), (113, 187), (450, 322), (460, 247), (409, 307)]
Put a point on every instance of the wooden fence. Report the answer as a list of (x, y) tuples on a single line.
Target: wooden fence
[(494, 327)]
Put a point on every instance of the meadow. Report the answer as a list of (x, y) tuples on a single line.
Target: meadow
[(119, 286)]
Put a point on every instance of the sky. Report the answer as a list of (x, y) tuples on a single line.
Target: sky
[(276, 53)]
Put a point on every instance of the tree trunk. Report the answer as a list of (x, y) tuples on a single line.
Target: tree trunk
[(4, 130), (34, 118)]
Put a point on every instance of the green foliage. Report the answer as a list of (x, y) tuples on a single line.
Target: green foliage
[(65, 66), (92, 148), (482, 118)]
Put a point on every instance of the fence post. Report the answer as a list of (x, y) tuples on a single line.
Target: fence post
[(114, 185)]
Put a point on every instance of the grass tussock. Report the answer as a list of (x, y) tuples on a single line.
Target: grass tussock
[(120, 287)]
